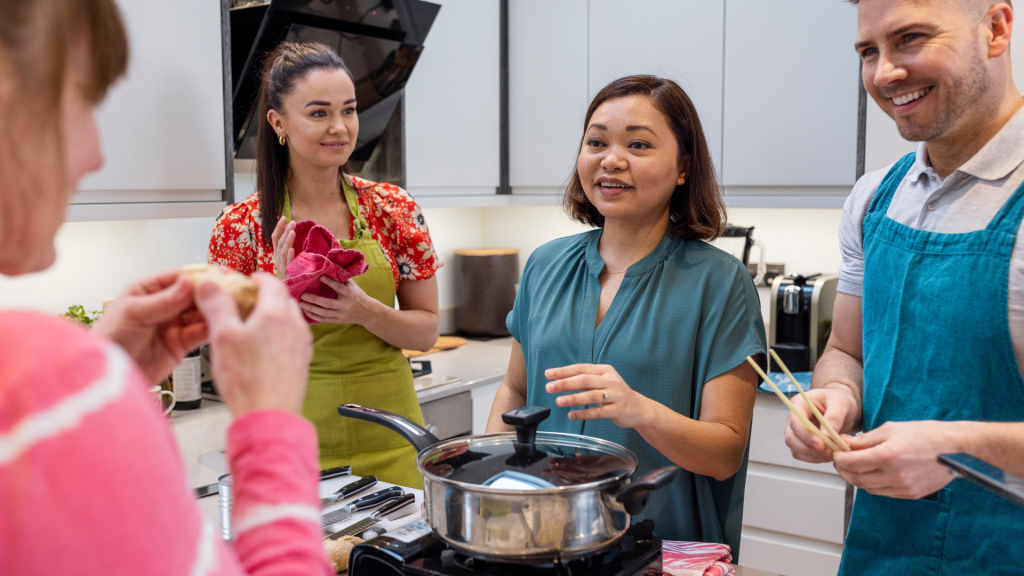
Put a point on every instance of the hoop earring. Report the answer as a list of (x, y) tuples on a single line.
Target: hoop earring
[(280, 139)]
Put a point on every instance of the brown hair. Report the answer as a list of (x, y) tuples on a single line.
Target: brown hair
[(283, 67), (696, 210), (38, 37)]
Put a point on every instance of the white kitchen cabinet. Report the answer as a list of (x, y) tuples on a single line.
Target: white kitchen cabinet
[(791, 81), (783, 554), (548, 95), (793, 512), (677, 39), (162, 127), (452, 106), (483, 398)]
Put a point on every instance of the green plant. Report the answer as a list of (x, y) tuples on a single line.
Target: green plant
[(80, 315)]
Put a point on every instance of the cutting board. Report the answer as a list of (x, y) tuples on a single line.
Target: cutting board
[(443, 343)]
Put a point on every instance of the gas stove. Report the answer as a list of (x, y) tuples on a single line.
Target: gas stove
[(414, 551)]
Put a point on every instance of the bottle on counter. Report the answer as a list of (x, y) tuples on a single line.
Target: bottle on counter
[(187, 383)]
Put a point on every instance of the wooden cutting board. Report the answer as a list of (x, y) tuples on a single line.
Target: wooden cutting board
[(443, 343)]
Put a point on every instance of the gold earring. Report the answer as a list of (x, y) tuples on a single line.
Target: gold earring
[(280, 139), (682, 179)]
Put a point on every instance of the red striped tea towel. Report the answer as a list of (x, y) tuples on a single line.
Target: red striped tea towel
[(696, 559)]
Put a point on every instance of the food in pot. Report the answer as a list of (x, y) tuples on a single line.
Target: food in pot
[(339, 550), (240, 286)]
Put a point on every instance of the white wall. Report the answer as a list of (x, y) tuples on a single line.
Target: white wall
[(96, 260)]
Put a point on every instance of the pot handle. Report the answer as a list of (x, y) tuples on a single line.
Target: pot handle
[(411, 431), (635, 495)]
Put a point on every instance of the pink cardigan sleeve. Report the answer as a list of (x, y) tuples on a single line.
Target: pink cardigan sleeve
[(91, 481)]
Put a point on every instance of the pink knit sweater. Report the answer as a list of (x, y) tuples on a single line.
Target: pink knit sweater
[(91, 481)]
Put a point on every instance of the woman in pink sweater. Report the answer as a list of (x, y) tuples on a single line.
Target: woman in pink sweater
[(91, 481)]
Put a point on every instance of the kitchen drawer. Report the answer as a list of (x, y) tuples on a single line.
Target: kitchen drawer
[(451, 416), (788, 555), (768, 440), (795, 502)]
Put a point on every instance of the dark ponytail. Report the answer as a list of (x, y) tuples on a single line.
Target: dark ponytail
[(283, 67)]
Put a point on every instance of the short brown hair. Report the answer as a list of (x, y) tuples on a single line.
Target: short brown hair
[(38, 38), (696, 211)]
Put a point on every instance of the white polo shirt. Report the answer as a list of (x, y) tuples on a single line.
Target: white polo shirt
[(965, 201)]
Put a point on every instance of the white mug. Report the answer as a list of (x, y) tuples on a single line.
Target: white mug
[(158, 395)]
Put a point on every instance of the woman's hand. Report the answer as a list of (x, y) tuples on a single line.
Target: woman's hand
[(352, 306), (261, 363), (624, 407), (154, 321), (284, 252)]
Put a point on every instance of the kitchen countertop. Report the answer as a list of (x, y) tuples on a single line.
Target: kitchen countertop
[(202, 433), (478, 363)]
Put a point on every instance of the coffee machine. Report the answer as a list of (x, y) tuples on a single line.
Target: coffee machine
[(801, 318)]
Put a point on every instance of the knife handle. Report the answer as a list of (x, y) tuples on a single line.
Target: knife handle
[(398, 509), (356, 487), (374, 499), (335, 472)]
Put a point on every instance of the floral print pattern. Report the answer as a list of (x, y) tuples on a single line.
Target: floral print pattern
[(395, 221)]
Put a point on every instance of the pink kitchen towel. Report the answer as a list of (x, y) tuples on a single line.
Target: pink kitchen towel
[(696, 559), (318, 255)]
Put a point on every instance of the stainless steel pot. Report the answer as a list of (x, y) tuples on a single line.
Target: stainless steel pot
[(528, 495)]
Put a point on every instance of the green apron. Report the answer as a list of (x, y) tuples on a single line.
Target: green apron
[(352, 365)]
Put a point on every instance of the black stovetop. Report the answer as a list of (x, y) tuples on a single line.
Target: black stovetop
[(636, 553)]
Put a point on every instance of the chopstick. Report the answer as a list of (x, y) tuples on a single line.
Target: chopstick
[(828, 427), (811, 427)]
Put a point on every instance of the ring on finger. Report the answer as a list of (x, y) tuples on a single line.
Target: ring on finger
[(604, 397)]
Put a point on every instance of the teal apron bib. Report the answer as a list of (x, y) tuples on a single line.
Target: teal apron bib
[(937, 347)]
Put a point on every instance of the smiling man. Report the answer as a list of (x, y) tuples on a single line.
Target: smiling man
[(928, 338)]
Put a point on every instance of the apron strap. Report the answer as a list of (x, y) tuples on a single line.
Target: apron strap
[(1009, 216), (887, 189), (362, 229)]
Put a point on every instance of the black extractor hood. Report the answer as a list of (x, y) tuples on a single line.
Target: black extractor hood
[(379, 40)]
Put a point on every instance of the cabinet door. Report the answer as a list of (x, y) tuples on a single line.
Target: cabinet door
[(790, 93), (452, 103), (162, 127), (677, 39), (547, 64)]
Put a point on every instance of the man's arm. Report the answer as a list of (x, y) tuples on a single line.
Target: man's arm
[(837, 383)]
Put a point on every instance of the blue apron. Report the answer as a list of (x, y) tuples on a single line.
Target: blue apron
[(937, 347)]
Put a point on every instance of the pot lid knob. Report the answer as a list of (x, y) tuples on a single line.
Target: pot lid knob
[(526, 420)]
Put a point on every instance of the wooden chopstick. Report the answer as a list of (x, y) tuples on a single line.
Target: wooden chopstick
[(828, 427), (814, 429)]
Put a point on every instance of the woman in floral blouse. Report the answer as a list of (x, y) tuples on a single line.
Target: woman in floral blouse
[(308, 101)]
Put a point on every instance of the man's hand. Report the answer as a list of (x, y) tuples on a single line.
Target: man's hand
[(262, 363), (837, 405), (154, 322), (900, 459)]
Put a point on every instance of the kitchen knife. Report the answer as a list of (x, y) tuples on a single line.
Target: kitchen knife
[(394, 510), (364, 503), (349, 490), (211, 489)]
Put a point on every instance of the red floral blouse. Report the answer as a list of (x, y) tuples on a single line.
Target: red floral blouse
[(394, 219)]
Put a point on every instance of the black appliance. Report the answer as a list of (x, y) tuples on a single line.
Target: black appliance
[(412, 551), (379, 40), (801, 318)]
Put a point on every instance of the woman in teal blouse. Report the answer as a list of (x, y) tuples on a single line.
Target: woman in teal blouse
[(637, 332)]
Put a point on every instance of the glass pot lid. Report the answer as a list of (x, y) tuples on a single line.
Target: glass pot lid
[(527, 459)]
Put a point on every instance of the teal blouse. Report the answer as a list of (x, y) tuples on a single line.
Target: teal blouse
[(684, 314)]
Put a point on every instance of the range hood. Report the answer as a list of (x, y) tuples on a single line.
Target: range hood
[(379, 40)]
